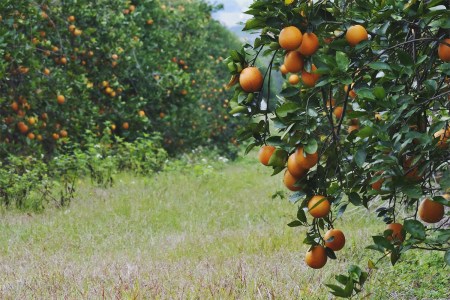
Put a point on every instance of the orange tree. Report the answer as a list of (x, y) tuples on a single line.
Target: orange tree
[(363, 117), (117, 68)]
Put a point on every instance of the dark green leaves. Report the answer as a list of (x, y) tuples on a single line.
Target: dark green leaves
[(415, 228)]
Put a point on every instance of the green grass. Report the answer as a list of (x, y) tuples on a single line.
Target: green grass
[(211, 233)]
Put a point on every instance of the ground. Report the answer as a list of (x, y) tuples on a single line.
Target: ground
[(192, 232)]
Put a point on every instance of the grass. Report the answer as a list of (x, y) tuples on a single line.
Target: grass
[(205, 232)]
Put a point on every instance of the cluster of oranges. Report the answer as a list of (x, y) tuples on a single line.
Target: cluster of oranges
[(298, 166)]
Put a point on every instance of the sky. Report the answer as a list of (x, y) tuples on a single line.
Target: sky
[(232, 13)]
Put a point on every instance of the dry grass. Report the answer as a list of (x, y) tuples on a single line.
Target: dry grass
[(213, 235)]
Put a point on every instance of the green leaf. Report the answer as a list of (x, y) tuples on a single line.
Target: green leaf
[(365, 132), (412, 191), (330, 253), (290, 92), (405, 58), (379, 66), (447, 257), (311, 147), (295, 223), (415, 228), (382, 242), (287, 108), (360, 157), (379, 92), (355, 198), (254, 24), (342, 61), (301, 216), (445, 180), (278, 158)]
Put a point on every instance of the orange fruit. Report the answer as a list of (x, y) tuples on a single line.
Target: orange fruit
[(444, 51), (293, 61), (283, 70), (316, 257), (63, 133), (290, 38), (310, 79), (443, 136), (338, 241), (431, 211), (338, 111), (356, 34), (294, 79), (141, 113), (352, 128), (39, 137), (55, 136), (294, 168), (71, 19), (125, 125), (309, 45), (265, 153), (60, 99), (15, 106), (308, 161), (319, 210), (23, 128), (46, 71), (31, 136), (290, 181), (32, 120), (251, 80), (149, 22), (396, 232), (352, 93), (331, 103)]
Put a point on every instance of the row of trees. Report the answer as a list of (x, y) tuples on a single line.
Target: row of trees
[(118, 68)]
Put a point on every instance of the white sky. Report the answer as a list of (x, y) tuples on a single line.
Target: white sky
[(232, 13)]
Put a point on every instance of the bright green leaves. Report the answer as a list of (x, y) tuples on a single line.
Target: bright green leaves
[(350, 283)]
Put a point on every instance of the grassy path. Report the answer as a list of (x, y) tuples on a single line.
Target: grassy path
[(205, 233)]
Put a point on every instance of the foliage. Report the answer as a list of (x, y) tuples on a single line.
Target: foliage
[(393, 134), (124, 69)]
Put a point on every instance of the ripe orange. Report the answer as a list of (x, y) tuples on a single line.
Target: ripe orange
[(55, 136), (71, 19), (15, 106), (444, 51), (141, 113), (23, 128), (396, 232), (443, 136), (316, 258), (352, 93), (294, 168), (356, 34), (31, 136), (338, 241), (309, 45), (115, 56), (251, 80), (283, 70), (63, 133), (294, 79), (31, 120), (149, 22), (319, 210), (293, 61), (352, 128), (290, 181), (431, 211), (125, 125), (338, 111), (60, 99), (310, 79), (308, 161), (290, 38), (46, 72), (265, 153)]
